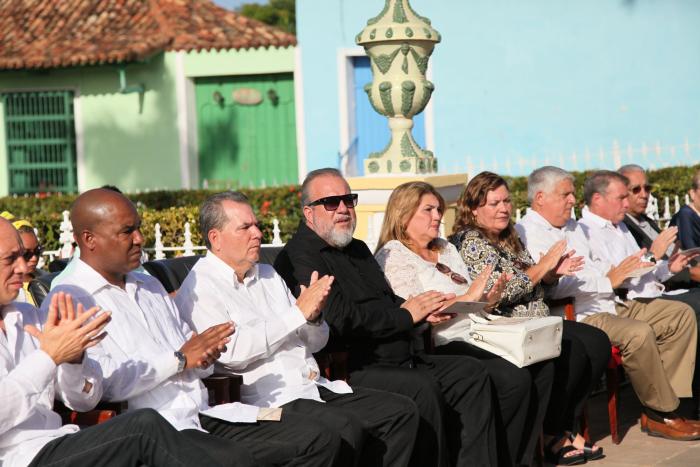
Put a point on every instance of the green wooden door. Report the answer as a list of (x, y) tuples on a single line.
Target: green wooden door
[(243, 143), (40, 134)]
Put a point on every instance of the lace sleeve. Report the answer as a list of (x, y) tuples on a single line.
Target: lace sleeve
[(400, 270)]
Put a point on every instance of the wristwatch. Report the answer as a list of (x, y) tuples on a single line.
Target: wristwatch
[(182, 361)]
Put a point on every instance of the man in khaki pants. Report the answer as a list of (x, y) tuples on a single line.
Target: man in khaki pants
[(657, 337)]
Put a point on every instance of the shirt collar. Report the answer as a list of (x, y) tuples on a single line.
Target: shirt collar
[(596, 219), (92, 281), (639, 222), (225, 270), (537, 218), (10, 313)]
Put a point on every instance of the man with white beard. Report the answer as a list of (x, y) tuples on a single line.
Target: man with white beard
[(453, 393)]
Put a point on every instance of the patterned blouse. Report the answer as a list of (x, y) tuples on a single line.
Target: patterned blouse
[(520, 298)]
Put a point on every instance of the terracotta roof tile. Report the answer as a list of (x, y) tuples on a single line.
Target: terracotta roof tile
[(62, 33)]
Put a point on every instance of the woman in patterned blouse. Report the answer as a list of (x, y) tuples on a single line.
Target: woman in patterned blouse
[(485, 237)]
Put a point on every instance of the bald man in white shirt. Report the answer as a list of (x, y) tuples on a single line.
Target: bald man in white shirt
[(657, 337), (151, 358), (276, 336), (40, 361)]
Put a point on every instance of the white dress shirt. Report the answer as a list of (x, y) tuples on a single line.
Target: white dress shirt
[(590, 287), (409, 274), (29, 380), (273, 344), (137, 356), (610, 244)]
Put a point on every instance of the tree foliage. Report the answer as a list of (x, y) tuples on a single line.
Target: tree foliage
[(278, 13)]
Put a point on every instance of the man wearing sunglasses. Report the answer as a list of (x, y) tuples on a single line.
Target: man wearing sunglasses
[(377, 328), (647, 232), (32, 254)]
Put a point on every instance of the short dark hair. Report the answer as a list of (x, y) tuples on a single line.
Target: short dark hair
[(598, 182), (212, 215), (310, 178)]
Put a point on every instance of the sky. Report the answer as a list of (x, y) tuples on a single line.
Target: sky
[(232, 4)]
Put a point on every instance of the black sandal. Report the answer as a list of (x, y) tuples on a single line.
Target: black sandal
[(560, 457), (590, 453)]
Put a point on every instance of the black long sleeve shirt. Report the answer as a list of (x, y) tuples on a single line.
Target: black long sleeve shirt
[(363, 313)]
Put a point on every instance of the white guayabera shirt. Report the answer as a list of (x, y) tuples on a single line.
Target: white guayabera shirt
[(610, 244), (273, 344), (29, 380), (590, 287), (409, 274), (137, 356)]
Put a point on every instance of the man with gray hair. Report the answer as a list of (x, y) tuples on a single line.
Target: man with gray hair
[(657, 338), (648, 234), (276, 336)]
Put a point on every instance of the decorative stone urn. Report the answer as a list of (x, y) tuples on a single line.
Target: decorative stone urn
[(399, 42)]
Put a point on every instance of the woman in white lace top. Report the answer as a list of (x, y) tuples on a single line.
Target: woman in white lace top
[(414, 260)]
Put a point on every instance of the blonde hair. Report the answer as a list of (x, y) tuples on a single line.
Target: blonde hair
[(403, 204)]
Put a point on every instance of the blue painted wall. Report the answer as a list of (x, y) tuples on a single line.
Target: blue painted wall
[(521, 83)]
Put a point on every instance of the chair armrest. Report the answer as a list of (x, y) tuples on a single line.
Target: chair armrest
[(333, 365), (568, 304), (101, 413), (223, 389)]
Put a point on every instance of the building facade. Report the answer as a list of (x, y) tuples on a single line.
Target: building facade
[(518, 84), (159, 94)]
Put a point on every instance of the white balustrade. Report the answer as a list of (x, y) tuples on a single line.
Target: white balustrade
[(188, 246), (159, 243), (276, 239), (65, 237)]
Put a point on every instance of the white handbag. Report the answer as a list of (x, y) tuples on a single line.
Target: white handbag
[(521, 341)]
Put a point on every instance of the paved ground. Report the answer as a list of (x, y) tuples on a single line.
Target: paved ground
[(637, 448)]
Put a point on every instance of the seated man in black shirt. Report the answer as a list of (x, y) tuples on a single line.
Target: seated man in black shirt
[(377, 328)]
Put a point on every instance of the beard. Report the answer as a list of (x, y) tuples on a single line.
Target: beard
[(335, 237)]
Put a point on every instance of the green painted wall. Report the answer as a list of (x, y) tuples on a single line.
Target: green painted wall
[(127, 140), (4, 176), (239, 62)]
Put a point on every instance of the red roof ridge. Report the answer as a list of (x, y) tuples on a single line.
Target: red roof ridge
[(40, 34)]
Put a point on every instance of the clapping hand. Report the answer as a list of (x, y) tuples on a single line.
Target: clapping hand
[(569, 264), (423, 306), (312, 298), (661, 243), (66, 333), (202, 350), (618, 274)]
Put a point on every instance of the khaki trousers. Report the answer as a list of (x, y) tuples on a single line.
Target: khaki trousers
[(657, 339)]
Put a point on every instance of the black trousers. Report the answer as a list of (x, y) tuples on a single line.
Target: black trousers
[(137, 438), (298, 439), (585, 352), (453, 395), (691, 408), (521, 396), (376, 427)]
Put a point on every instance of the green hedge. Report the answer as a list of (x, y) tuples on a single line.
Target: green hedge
[(173, 208)]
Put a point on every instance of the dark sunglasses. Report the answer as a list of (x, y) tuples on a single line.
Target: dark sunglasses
[(456, 278), (637, 189), (331, 203), (29, 254)]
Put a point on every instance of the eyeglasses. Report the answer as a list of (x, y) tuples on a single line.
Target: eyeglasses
[(331, 203), (456, 278), (29, 254), (637, 189)]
